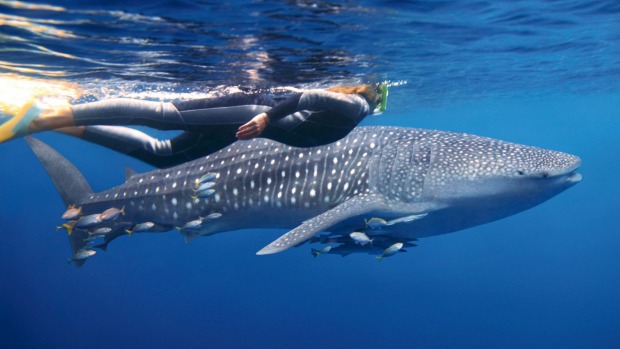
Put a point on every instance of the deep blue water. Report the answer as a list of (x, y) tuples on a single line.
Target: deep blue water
[(542, 73)]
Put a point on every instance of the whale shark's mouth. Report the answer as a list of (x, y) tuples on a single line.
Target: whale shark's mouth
[(574, 177)]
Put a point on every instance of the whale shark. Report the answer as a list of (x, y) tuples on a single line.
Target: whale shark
[(396, 185)]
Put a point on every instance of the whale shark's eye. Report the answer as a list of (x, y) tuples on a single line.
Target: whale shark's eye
[(545, 174), (520, 172)]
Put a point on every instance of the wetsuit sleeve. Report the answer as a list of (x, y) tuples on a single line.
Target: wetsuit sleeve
[(284, 108)]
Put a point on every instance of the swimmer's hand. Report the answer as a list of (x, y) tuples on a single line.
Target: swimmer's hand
[(254, 127)]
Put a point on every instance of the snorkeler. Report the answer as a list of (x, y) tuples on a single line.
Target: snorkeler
[(309, 118)]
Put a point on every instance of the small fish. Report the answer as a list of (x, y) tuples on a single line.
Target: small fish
[(375, 223), (72, 212), (88, 221), (360, 238), (203, 194), (140, 227), (111, 213), (191, 225), (81, 255), (214, 215), (100, 231), (317, 253), (205, 186), (69, 226), (205, 178), (390, 251), (208, 177)]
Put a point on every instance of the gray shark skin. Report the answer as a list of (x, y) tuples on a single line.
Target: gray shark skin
[(398, 184)]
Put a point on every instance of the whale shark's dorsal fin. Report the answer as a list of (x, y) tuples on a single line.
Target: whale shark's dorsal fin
[(129, 172), (352, 207)]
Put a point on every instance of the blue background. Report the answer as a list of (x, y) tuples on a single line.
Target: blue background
[(545, 278)]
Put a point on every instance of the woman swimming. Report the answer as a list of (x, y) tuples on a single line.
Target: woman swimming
[(305, 119)]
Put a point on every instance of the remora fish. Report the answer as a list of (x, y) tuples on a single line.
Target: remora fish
[(422, 182), (81, 255), (391, 250), (360, 238)]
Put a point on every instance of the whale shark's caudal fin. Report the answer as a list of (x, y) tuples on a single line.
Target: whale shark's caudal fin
[(69, 182)]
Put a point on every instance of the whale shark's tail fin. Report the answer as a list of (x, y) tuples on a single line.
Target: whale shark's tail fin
[(69, 182)]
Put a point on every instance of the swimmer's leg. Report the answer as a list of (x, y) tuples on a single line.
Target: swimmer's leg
[(34, 117), (159, 153), (124, 140), (122, 111)]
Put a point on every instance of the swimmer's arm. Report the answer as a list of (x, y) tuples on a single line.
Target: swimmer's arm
[(257, 125), (284, 108)]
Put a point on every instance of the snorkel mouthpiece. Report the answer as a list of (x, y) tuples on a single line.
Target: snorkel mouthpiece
[(384, 95)]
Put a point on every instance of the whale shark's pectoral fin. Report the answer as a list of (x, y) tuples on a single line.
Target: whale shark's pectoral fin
[(355, 206), (190, 234)]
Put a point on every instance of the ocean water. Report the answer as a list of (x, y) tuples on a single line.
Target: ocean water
[(542, 73)]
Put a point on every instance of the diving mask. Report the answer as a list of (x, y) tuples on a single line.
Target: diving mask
[(383, 89)]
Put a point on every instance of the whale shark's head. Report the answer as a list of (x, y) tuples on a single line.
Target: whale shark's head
[(471, 169)]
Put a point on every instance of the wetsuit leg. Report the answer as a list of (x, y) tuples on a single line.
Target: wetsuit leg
[(159, 115), (210, 125), (159, 153), (196, 115), (134, 143)]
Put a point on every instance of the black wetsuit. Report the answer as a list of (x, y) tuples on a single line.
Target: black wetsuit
[(303, 120)]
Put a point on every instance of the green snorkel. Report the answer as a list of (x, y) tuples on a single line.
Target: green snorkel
[(384, 95)]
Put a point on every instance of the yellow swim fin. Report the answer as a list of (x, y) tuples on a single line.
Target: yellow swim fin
[(17, 126)]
